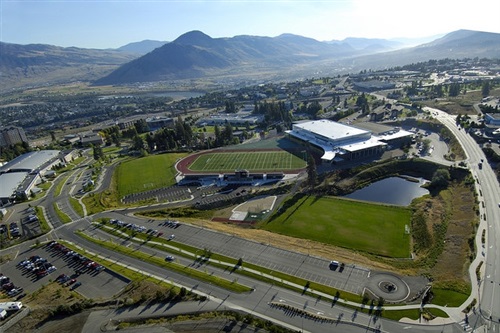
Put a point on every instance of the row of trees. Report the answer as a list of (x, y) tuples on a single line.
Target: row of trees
[(11, 152), (275, 112)]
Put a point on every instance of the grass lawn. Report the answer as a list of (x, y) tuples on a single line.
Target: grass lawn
[(76, 206), (447, 297), (372, 228), (254, 161), (147, 173), (62, 216)]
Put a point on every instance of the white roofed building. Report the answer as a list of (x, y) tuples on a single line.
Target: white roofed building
[(19, 176), (32, 161), (337, 140)]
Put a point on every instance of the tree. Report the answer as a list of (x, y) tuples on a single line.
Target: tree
[(137, 143), (454, 90), (141, 126), (98, 153), (218, 136), (230, 107), (485, 88), (440, 178), (312, 173)]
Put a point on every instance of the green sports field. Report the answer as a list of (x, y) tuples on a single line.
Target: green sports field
[(252, 161), (146, 173), (372, 228)]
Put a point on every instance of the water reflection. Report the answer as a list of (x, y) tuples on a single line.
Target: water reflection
[(393, 190)]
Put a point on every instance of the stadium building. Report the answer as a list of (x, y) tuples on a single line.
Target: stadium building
[(342, 142)]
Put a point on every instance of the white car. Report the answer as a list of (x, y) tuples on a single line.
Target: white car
[(171, 237)]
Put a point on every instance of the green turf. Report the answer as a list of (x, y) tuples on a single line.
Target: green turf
[(372, 228), (447, 297), (253, 161), (147, 173)]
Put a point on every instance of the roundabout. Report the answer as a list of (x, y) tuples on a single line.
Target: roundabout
[(388, 286)]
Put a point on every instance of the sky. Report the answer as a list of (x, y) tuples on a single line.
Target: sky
[(114, 23)]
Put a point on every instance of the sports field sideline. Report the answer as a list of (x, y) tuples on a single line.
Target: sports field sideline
[(248, 160)]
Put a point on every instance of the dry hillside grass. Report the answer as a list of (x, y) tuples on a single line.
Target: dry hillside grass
[(453, 263)]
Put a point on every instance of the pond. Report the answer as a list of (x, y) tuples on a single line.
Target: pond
[(393, 190)]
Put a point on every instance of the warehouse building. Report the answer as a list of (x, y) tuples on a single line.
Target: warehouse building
[(19, 176)]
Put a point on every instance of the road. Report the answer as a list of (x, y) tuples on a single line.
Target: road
[(489, 193)]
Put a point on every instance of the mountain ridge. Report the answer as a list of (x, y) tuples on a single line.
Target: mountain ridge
[(194, 54), (292, 52)]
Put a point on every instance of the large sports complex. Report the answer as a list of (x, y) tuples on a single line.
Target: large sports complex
[(256, 166), (343, 142)]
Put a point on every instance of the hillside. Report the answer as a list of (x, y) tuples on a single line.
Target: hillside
[(38, 64), (141, 47), (455, 45), (195, 55)]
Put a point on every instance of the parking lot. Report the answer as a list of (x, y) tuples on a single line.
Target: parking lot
[(26, 226), (30, 270), (350, 278), (174, 193)]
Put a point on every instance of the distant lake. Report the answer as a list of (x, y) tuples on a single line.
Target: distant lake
[(392, 190)]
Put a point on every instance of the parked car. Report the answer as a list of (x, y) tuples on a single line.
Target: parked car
[(334, 264), (70, 282), (169, 258), (76, 285)]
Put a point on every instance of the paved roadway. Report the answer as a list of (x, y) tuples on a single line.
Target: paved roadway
[(489, 193)]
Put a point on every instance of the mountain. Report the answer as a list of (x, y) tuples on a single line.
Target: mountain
[(196, 54), (455, 45), (39, 64), (141, 47), (410, 42), (371, 45)]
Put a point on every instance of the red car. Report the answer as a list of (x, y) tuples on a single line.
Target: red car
[(70, 282)]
